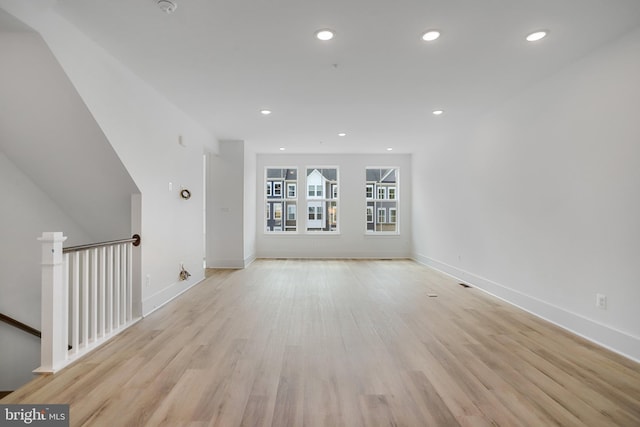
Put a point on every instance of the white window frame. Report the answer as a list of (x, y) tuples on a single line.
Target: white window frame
[(393, 216), (275, 192), (323, 193), (272, 197), (276, 211), (291, 211), (369, 193), (391, 191), (369, 214), (384, 216), (294, 187), (385, 197)]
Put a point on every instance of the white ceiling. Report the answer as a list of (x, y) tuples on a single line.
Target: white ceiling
[(221, 61)]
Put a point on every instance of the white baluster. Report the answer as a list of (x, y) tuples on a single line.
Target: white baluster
[(85, 298), (94, 295), (75, 302), (130, 282), (109, 289), (102, 303), (116, 286)]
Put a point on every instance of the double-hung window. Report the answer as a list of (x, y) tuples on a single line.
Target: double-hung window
[(322, 199), (381, 191), (281, 199)]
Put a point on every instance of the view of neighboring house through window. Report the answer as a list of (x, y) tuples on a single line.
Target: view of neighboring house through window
[(381, 191), (281, 199), (322, 199)]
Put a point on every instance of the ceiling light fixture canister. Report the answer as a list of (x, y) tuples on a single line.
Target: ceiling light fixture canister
[(537, 35), (325, 34), (430, 35)]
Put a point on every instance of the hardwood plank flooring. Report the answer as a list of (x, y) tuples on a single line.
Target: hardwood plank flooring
[(342, 343)]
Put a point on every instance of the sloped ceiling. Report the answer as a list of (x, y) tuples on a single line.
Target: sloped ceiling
[(45, 127), (222, 61)]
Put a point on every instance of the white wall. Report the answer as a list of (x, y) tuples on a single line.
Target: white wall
[(225, 207), (538, 202), (25, 212), (50, 135), (250, 209), (352, 240), (144, 130)]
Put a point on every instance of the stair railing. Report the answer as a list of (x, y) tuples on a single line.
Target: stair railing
[(87, 297)]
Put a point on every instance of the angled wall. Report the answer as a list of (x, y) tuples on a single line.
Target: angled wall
[(58, 172), (159, 145)]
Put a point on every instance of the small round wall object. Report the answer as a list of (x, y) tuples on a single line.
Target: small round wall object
[(185, 194)]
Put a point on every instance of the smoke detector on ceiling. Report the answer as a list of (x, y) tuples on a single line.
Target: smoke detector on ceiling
[(167, 6)]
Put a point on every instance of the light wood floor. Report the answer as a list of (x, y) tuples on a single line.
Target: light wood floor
[(342, 343)]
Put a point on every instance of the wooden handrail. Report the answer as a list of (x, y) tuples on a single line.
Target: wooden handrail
[(135, 239), (16, 323)]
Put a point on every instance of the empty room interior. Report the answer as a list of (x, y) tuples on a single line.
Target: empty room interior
[(337, 213)]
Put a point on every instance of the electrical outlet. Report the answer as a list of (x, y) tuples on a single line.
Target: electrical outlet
[(148, 280), (601, 301)]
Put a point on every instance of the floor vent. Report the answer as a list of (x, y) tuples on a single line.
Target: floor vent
[(464, 285), (432, 295)]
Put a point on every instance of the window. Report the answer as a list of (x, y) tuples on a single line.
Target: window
[(315, 213), (281, 208), (391, 192), (322, 199), (392, 215), (370, 214), (382, 191), (291, 212), (369, 191), (291, 190), (277, 189)]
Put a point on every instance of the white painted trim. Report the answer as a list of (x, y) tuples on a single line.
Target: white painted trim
[(227, 263), (166, 295), (605, 336), (249, 260), (87, 350)]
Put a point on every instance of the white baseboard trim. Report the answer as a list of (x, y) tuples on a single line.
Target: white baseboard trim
[(226, 263), (249, 260), (617, 341), (168, 294)]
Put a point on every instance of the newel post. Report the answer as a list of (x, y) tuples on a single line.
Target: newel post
[(54, 305)]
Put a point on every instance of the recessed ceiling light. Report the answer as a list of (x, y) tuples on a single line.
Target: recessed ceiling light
[(537, 35), (437, 112), (430, 35), (265, 112), (167, 6), (282, 148), (342, 134), (325, 35), (389, 149)]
